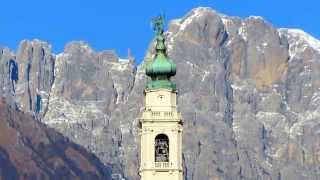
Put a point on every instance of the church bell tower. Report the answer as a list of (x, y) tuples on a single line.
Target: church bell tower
[(160, 124)]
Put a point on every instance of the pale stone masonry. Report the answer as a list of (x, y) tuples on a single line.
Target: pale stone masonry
[(161, 118)]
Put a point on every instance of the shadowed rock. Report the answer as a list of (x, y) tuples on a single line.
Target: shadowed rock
[(30, 150)]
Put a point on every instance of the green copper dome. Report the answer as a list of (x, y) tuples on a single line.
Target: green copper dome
[(161, 68)]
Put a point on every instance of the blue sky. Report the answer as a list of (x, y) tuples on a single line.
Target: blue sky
[(123, 24)]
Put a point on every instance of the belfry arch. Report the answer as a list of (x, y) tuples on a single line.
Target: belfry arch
[(161, 148)]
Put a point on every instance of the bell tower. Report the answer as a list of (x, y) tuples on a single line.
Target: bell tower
[(160, 124)]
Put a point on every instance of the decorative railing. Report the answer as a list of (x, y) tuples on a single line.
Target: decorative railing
[(155, 113), (161, 115), (168, 114), (162, 165)]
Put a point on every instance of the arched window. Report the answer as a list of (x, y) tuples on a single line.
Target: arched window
[(161, 148)]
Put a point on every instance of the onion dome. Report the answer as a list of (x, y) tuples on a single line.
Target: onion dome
[(161, 69)]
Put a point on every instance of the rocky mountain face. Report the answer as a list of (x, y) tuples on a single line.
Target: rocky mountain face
[(30, 150), (27, 76), (249, 95)]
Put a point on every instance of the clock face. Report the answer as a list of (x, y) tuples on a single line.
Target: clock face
[(160, 96)]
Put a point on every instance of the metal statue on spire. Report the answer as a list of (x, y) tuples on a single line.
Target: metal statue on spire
[(158, 24)]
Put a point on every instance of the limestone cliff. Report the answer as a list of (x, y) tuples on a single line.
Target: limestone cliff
[(248, 92)]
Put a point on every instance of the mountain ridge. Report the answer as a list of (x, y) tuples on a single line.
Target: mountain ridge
[(248, 94)]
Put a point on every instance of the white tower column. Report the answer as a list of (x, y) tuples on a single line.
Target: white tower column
[(160, 124), (161, 137)]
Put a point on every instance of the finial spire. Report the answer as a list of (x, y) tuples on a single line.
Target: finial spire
[(161, 68)]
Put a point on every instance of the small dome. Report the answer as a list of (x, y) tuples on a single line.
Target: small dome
[(161, 65)]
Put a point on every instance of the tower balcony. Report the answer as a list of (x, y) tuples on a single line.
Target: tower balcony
[(160, 166), (166, 116)]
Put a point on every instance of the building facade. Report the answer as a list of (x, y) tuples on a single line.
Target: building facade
[(160, 124)]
